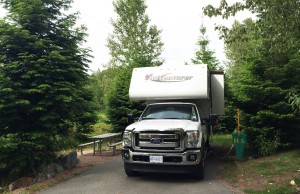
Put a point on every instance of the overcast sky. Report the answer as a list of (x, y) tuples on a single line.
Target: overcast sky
[(179, 21)]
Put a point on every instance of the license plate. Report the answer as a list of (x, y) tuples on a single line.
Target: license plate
[(156, 159)]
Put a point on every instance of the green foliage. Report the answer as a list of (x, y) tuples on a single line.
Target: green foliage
[(21, 153), (294, 99), (100, 84), (119, 102), (263, 140), (133, 39), (259, 87), (264, 69), (42, 84), (94, 85), (102, 125), (133, 44), (203, 55)]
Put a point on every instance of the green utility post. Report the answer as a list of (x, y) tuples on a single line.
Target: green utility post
[(239, 139)]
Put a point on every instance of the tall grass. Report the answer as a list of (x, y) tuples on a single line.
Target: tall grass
[(223, 140)]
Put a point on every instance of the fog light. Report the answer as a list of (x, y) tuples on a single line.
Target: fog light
[(192, 157), (125, 154)]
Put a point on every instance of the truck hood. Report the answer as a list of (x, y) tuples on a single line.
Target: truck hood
[(163, 124)]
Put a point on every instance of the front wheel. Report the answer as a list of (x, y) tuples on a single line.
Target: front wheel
[(200, 173), (129, 172)]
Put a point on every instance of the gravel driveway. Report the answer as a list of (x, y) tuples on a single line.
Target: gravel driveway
[(109, 178)]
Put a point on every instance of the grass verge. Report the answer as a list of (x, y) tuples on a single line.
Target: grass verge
[(279, 173)]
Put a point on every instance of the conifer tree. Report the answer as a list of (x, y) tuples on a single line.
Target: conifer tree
[(264, 70), (133, 38), (43, 73), (203, 54), (134, 43)]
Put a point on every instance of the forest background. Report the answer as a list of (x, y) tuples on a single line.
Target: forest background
[(48, 101)]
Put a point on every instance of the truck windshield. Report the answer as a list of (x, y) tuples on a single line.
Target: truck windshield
[(171, 111)]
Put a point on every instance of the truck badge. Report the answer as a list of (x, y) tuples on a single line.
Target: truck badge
[(156, 140)]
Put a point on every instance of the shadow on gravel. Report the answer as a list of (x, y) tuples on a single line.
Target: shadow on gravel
[(213, 161)]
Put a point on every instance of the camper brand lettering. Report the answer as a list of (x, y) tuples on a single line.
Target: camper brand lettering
[(167, 78)]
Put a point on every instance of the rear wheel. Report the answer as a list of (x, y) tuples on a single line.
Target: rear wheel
[(207, 142)]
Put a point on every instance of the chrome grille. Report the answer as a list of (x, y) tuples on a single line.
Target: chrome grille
[(158, 140)]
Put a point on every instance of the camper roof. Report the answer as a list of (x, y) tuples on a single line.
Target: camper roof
[(166, 83)]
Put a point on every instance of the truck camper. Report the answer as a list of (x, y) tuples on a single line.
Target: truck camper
[(172, 134)]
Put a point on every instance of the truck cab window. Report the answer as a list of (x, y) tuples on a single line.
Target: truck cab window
[(167, 111)]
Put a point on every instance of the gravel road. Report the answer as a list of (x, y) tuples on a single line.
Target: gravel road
[(109, 178)]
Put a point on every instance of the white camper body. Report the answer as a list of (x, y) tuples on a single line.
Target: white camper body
[(173, 132), (182, 83)]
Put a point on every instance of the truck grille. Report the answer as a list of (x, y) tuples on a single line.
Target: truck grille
[(158, 140)]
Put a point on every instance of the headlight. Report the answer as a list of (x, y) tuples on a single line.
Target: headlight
[(193, 139), (127, 138)]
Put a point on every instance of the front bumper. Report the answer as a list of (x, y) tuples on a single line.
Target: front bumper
[(172, 162), (155, 168), (188, 157)]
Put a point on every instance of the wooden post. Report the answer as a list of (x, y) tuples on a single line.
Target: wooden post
[(239, 128)]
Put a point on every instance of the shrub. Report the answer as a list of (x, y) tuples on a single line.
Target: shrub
[(22, 153), (265, 141)]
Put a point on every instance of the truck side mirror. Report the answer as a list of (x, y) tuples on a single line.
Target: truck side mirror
[(130, 118)]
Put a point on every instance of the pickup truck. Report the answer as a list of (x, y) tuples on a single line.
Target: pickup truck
[(172, 134)]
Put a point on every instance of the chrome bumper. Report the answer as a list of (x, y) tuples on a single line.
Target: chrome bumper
[(182, 158)]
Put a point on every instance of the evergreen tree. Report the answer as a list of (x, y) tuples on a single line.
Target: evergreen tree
[(43, 73), (294, 99), (133, 38), (119, 104), (203, 55), (133, 44), (266, 70)]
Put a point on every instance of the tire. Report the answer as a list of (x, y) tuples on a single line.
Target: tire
[(200, 173), (129, 172), (207, 144)]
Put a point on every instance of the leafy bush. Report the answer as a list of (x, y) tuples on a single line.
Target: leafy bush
[(102, 125), (264, 140), (22, 153)]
